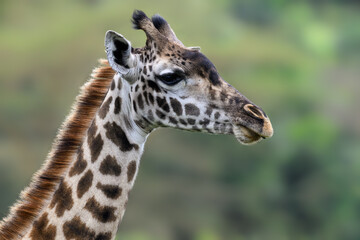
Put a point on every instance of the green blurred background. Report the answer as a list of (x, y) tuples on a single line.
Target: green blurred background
[(298, 60)]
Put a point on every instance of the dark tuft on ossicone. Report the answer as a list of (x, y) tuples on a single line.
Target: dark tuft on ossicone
[(158, 21), (137, 17)]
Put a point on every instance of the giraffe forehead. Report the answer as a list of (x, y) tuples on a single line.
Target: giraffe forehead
[(198, 58), (202, 66), (193, 62)]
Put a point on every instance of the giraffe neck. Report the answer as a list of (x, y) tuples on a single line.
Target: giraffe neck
[(91, 198)]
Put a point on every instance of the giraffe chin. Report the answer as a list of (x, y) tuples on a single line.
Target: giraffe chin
[(246, 136)]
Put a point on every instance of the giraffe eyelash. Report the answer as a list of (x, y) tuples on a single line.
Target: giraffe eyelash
[(171, 78)]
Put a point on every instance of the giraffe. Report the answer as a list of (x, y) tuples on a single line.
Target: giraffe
[(82, 189)]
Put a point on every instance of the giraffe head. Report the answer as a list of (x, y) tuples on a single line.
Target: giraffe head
[(170, 85)]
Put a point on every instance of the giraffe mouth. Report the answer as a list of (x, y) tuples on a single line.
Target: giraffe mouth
[(245, 135)]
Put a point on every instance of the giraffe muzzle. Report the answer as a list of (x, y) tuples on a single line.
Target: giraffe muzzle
[(267, 129), (252, 125)]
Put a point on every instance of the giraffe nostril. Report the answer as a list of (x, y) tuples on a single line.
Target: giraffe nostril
[(253, 111)]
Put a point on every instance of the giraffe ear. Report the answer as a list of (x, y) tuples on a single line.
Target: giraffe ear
[(118, 51)]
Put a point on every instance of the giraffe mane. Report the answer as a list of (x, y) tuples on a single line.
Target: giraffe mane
[(66, 144)]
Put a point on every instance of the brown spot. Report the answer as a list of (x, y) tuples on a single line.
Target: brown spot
[(110, 166), (154, 86), (173, 120), (145, 97), (104, 109), (162, 103), (110, 191), (182, 121), (102, 213), (96, 147), (80, 164), (151, 98), (150, 115), (191, 121), (204, 122), (131, 170), (115, 133), (117, 107), (112, 84), (103, 236), (92, 129), (176, 106), (85, 183), (160, 114), (95, 143), (75, 229), (195, 128), (62, 199), (135, 107), (42, 230), (208, 111), (140, 102), (191, 109)]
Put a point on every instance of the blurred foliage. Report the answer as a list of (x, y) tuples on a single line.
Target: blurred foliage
[(298, 60)]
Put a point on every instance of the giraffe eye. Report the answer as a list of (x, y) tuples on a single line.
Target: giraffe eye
[(171, 78)]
